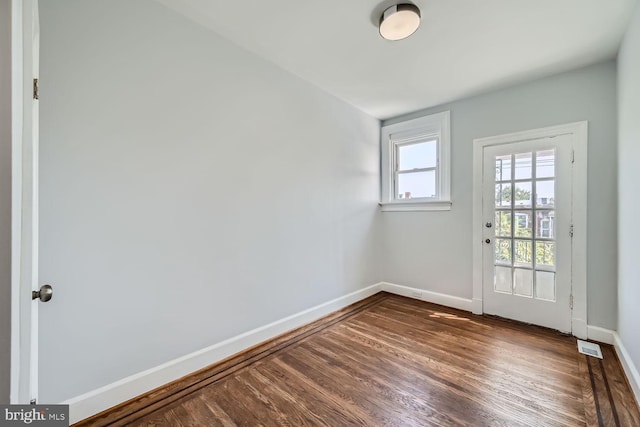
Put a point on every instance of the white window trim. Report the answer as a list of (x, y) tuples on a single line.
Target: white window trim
[(437, 125)]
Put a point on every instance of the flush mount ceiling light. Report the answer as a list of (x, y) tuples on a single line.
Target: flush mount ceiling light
[(400, 21)]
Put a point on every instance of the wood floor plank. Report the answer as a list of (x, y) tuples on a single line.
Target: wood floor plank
[(404, 400), (398, 361), (319, 383), (325, 409), (474, 350), (257, 401), (203, 413), (172, 419), (299, 413), (501, 400), (492, 379), (156, 420), (226, 395), (488, 327), (185, 416), (605, 409), (464, 326), (343, 386), (626, 407), (221, 418), (592, 417), (436, 407)]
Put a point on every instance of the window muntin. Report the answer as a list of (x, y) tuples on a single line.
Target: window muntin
[(525, 248)]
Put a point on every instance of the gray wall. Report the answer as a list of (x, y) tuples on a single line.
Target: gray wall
[(433, 250), (5, 198), (202, 190), (628, 179)]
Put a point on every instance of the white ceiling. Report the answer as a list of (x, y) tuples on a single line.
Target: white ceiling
[(463, 47)]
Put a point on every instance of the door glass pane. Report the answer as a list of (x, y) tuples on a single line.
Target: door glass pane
[(503, 251), (523, 194), (545, 193), (523, 252), (523, 225), (416, 184), (545, 164), (545, 224), (523, 166), (546, 285), (503, 168), (503, 195), (546, 254), (523, 282), (502, 280), (417, 156), (503, 223)]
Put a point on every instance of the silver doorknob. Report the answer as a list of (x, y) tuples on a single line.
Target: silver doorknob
[(45, 293), (488, 241)]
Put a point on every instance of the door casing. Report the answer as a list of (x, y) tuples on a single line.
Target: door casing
[(579, 134)]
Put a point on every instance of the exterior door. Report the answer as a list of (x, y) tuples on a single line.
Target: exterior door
[(527, 231)]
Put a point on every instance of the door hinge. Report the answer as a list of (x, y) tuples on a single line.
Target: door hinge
[(573, 156), (36, 89), (571, 230), (571, 302), (32, 401)]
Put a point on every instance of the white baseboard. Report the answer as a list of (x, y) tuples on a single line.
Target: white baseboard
[(434, 297), (629, 367), (96, 401), (597, 333)]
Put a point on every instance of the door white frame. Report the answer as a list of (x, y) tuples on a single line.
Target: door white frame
[(24, 204), (579, 133)]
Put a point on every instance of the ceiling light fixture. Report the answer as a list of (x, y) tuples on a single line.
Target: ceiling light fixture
[(400, 21)]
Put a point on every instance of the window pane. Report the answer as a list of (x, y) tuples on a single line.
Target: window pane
[(546, 224), (416, 184), (523, 226), (503, 223), (523, 282), (503, 168), (545, 194), (502, 280), (503, 251), (503, 195), (523, 166), (417, 156), (523, 194), (523, 250), (546, 285), (546, 253), (545, 164)]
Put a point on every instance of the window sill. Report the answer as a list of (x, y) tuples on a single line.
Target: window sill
[(436, 205)]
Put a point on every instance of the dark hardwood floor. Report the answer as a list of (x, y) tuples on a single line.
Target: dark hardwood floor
[(395, 361)]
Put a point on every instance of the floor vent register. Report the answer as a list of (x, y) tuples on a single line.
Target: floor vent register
[(590, 349)]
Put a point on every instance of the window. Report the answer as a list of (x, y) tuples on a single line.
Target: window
[(545, 228), (415, 164), (415, 169)]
